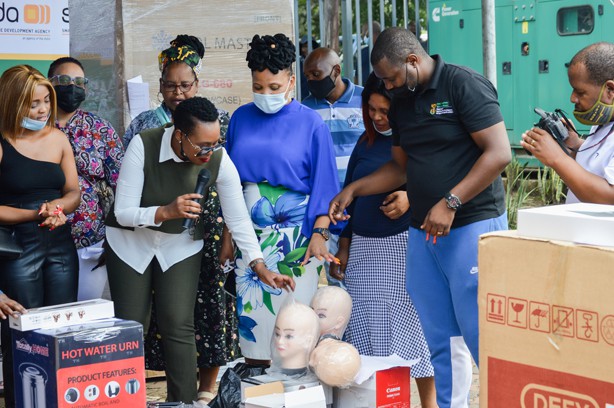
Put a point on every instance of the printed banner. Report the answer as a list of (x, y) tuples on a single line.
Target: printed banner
[(34, 30)]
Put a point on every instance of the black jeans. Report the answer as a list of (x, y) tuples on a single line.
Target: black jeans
[(45, 274)]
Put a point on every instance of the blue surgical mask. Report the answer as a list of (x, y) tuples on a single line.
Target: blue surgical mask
[(33, 124), (385, 132), (271, 103)]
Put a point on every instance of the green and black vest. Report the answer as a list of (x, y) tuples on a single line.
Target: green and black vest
[(166, 181)]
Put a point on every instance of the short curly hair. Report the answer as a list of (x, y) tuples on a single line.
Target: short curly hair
[(189, 111), (395, 44), (273, 52), (598, 59)]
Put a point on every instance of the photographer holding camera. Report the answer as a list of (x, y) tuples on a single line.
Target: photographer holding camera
[(587, 167)]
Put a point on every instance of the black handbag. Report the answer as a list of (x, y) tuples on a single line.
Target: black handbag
[(9, 248)]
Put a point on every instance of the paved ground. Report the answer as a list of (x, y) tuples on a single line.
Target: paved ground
[(156, 391)]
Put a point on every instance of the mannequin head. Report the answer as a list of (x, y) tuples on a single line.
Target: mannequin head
[(333, 306), (335, 362), (294, 337)]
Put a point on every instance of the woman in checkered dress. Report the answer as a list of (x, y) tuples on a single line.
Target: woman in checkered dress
[(372, 252)]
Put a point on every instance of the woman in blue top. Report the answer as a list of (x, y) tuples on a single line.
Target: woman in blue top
[(373, 247), (284, 154)]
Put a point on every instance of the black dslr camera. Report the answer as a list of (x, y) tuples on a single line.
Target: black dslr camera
[(552, 122)]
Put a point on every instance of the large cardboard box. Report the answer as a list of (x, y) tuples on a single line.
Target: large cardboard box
[(546, 323), (385, 389), (582, 223), (95, 364), (120, 39)]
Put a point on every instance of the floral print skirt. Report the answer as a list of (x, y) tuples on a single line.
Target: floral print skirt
[(215, 320), (277, 215)]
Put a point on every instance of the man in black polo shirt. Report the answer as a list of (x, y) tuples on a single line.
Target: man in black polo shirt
[(450, 146)]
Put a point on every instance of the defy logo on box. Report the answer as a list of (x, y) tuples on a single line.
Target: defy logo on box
[(520, 385), (392, 388)]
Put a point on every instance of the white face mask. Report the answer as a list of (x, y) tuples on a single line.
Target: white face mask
[(383, 133), (33, 124), (271, 103)]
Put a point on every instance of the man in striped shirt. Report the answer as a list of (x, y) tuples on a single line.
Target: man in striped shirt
[(338, 101)]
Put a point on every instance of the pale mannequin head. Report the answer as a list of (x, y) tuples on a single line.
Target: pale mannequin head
[(335, 362), (294, 337), (333, 306)]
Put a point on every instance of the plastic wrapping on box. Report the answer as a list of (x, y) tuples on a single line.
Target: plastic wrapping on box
[(296, 332), (119, 40), (229, 390)]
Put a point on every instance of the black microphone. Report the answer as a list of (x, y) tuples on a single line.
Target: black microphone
[(203, 178)]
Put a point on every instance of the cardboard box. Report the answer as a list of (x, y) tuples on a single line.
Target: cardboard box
[(62, 315), (581, 223), (306, 398), (92, 365), (127, 41), (546, 323), (386, 389), (289, 385)]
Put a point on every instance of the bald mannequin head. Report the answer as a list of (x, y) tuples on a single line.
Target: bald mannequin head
[(322, 69), (294, 337), (333, 306), (335, 363)]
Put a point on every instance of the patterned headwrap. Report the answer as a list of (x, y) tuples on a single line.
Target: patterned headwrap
[(183, 53)]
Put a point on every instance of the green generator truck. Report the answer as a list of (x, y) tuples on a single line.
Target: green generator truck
[(535, 42)]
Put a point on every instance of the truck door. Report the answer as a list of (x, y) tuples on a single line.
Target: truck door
[(566, 26)]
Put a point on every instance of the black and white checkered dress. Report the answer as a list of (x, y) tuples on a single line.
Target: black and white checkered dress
[(384, 320)]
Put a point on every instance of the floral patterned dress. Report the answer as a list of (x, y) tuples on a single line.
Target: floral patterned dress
[(277, 215), (287, 167), (215, 322), (98, 155)]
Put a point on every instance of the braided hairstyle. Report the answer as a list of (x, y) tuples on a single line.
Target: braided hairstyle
[(190, 41), (184, 48), (273, 52), (194, 109)]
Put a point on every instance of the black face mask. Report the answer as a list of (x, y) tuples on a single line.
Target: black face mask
[(405, 90), (69, 97), (320, 89)]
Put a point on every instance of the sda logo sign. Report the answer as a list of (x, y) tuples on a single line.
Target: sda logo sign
[(36, 14), (540, 396)]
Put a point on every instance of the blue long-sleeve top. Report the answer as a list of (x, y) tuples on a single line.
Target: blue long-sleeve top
[(291, 148), (367, 219)]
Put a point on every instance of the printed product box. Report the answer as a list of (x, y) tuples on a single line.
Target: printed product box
[(96, 364), (581, 223), (62, 315), (127, 41), (289, 385), (546, 323), (386, 389)]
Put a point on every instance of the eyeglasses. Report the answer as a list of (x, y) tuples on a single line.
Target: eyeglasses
[(171, 86), (203, 151), (67, 80)]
